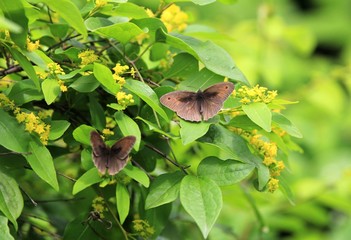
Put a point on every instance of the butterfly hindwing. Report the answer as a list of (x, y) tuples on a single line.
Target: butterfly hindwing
[(214, 97)]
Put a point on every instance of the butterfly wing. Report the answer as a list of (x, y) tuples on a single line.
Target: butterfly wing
[(119, 154), (100, 153), (213, 99), (184, 103)]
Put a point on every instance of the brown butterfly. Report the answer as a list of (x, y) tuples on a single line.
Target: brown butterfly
[(197, 106), (111, 159)]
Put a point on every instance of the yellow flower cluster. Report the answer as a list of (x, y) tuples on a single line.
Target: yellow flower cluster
[(100, 3), (87, 57), (174, 18), (55, 69), (62, 85), (143, 228), (107, 132), (99, 206), (124, 99), (255, 94), (269, 152), (32, 122), (31, 46)]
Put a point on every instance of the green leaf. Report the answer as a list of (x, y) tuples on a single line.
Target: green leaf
[(234, 147), (51, 90), (154, 127), (147, 95), (24, 91), (131, 10), (260, 114), (104, 76), (11, 201), (202, 199), (4, 229), (85, 84), (128, 127), (212, 56), (58, 128), (26, 65), (86, 180), (286, 125), (70, 13), (137, 174), (164, 189), (82, 134), (13, 136), (190, 131), (183, 65), (224, 172), (14, 11), (122, 32), (97, 113), (123, 201), (42, 163)]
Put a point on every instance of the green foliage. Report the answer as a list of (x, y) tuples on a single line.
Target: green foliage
[(72, 67)]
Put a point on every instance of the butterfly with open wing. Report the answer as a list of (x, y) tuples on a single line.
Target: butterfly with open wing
[(111, 159), (200, 105)]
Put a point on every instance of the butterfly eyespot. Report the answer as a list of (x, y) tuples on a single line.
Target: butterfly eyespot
[(168, 98)]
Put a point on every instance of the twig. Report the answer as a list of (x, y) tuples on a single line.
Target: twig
[(31, 199), (167, 158)]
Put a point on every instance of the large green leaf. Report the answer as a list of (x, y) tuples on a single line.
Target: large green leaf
[(86, 180), (164, 189), (85, 84), (11, 201), (260, 114), (233, 146), (97, 113), (70, 13), (286, 125), (190, 131), (42, 163), (212, 56), (26, 65), (128, 127), (131, 10), (224, 172), (147, 95), (123, 201), (122, 32), (104, 76), (202, 199), (13, 136), (51, 90), (82, 134), (24, 91), (14, 11), (183, 65), (4, 229), (137, 174), (58, 128)]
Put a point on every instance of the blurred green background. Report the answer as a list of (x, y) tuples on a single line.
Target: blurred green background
[(302, 48)]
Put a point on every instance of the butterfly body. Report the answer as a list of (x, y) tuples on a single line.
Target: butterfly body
[(200, 105), (110, 159)]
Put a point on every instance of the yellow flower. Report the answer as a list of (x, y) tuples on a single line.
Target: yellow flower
[(245, 100), (21, 117), (31, 46), (87, 57), (273, 184), (255, 94), (120, 80), (100, 3), (174, 18), (30, 126), (119, 69), (63, 88), (132, 72), (107, 131), (55, 68), (40, 129)]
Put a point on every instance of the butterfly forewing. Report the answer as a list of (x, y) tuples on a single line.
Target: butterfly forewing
[(101, 152), (183, 103), (214, 97)]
